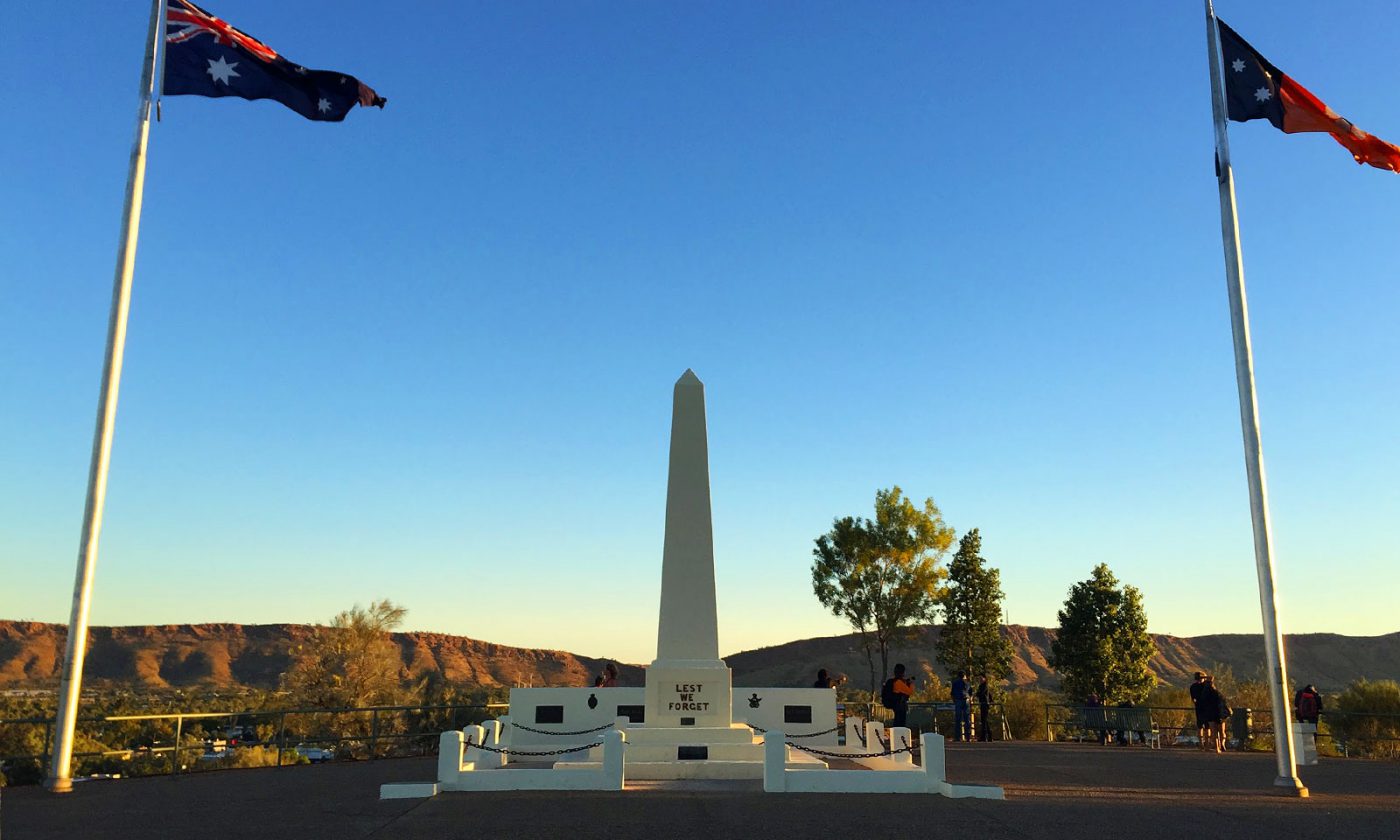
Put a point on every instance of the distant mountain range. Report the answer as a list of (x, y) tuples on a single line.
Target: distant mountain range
[(255, 655)]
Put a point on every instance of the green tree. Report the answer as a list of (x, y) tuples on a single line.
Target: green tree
[(1366, 718), (971, 638), (883, 574), (1102, 646), (351, 662)]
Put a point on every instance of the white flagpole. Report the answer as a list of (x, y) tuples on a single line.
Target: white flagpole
[(1287, 780), (59, 778)]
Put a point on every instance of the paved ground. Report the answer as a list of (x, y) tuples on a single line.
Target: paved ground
[(1053, 791)]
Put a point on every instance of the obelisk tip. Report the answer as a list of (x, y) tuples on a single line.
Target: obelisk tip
[(688, 378)]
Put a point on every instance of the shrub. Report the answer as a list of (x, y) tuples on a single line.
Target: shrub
[(1366, 717), (256, 756), (24, 771), (1025, 713)]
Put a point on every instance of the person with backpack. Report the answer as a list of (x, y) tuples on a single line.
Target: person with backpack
[(1307, 704), (895, 694)]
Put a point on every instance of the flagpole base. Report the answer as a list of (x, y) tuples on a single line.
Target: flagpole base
[(57, 785), (1290, 786)]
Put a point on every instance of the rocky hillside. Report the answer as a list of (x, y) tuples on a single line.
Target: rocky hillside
[(231, 655), (255, 655), (1329, 660)]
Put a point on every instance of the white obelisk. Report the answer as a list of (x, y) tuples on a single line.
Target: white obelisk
[(688, 684)]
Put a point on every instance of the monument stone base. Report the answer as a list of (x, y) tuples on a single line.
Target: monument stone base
[(690, 752), (690, 694)]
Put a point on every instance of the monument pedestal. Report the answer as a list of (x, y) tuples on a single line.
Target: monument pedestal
[(690, 752), (689, 693)]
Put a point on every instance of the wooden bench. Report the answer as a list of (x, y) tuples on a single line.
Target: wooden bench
[(1087, 721), (1132, 720)]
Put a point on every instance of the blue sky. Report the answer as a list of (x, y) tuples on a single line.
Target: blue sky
[(427, 354)]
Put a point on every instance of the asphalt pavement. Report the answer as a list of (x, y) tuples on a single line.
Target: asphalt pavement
[(1074, 791)]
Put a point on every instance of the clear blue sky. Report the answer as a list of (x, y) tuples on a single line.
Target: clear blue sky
[(427, 354)]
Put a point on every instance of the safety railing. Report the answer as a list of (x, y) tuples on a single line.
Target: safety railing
[(1174, 724), (937, 717), (1375, 735), (1361, 734), (176, 742)]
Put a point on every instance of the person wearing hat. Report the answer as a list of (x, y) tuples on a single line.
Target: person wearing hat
[(1196, 688)]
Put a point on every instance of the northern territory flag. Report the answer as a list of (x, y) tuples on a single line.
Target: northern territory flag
[(204, 56), (1256, 89)]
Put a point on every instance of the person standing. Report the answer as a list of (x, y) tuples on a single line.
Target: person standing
[(895, 695), (984, 709), (1307, 704), (1094, 718), (825, 681), (962, 714), (610, 676), (1196, 688), (1216, 711)]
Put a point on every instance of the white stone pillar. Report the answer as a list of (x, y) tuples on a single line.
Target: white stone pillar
[(931, 747), (688, 684), (688, 628), (450, 746), (775, 755)]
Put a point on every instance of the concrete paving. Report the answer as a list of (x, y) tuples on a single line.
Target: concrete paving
[(1053, 791)]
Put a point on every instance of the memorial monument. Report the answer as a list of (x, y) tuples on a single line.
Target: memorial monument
[(688, 684), (683, 724), (686, 723)]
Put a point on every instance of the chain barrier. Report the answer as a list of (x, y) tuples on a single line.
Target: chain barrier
[(860, 734), (883, 742), (825, 754), (509, 751), (548, 732)]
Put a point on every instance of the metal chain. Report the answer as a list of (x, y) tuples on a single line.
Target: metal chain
[(825, 754), (509, 751), (860, 734), (547, 732)]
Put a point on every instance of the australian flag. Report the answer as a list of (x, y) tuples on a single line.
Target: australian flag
[(204, 56)]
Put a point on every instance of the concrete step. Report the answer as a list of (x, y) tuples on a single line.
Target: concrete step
[(736, 734), (660, 770)]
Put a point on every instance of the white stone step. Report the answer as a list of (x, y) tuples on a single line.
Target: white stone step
[(659, 770), (736, 734)]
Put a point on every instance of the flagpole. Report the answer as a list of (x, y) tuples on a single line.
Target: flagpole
[(59, 778), (1287, 780)]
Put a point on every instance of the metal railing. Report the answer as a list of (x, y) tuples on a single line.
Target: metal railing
[(1081, 722), (1360, 733), (931, 717), (160, 744)]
